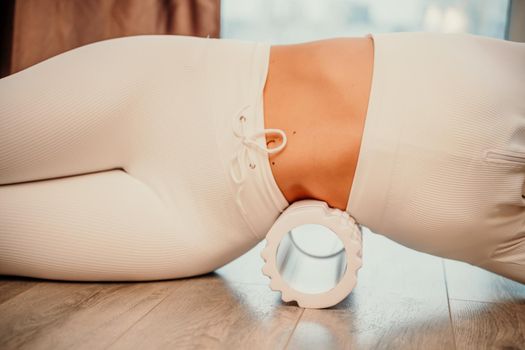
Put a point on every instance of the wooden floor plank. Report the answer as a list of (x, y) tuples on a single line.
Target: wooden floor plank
[(10, 287), (27, 316), (468, 282), (400, 302), (56, 315), (479, 325), (400, 323), (247, 268), (211, 312)]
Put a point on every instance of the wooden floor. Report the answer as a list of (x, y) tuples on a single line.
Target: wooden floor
[(404, 299)]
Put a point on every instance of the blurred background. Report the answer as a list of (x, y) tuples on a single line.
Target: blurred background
[(34, 30), (286, 21)]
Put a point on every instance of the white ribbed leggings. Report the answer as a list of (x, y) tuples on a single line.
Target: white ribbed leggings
[(115, 160)]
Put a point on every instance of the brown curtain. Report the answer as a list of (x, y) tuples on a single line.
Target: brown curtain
[(44, 28)]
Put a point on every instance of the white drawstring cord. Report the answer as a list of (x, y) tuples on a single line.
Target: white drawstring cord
[(242, 159)]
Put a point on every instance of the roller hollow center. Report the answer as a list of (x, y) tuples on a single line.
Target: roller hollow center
[(311, 259)]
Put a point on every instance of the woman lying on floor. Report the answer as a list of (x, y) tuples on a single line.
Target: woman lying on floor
[(156, 157)]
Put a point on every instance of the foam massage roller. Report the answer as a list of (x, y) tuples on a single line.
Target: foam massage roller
[(312, 254)]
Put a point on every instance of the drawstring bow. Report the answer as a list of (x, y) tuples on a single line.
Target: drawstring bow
[(243, 160)]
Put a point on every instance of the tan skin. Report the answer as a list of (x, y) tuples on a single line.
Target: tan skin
[(317, 92)]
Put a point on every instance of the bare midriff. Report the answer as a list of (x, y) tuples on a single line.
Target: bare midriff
[(317, 92)]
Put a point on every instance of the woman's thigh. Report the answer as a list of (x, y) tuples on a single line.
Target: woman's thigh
[(100, 226), (93, 108)]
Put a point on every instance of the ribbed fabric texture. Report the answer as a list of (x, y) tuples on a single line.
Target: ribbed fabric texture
[(442, 162), (112, 162)]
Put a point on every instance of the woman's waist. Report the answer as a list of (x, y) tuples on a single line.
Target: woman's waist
[(320, 101)]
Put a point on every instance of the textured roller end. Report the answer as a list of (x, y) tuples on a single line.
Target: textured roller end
[(338, 221)]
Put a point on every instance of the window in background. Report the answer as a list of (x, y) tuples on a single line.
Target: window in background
[(289, 21)]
